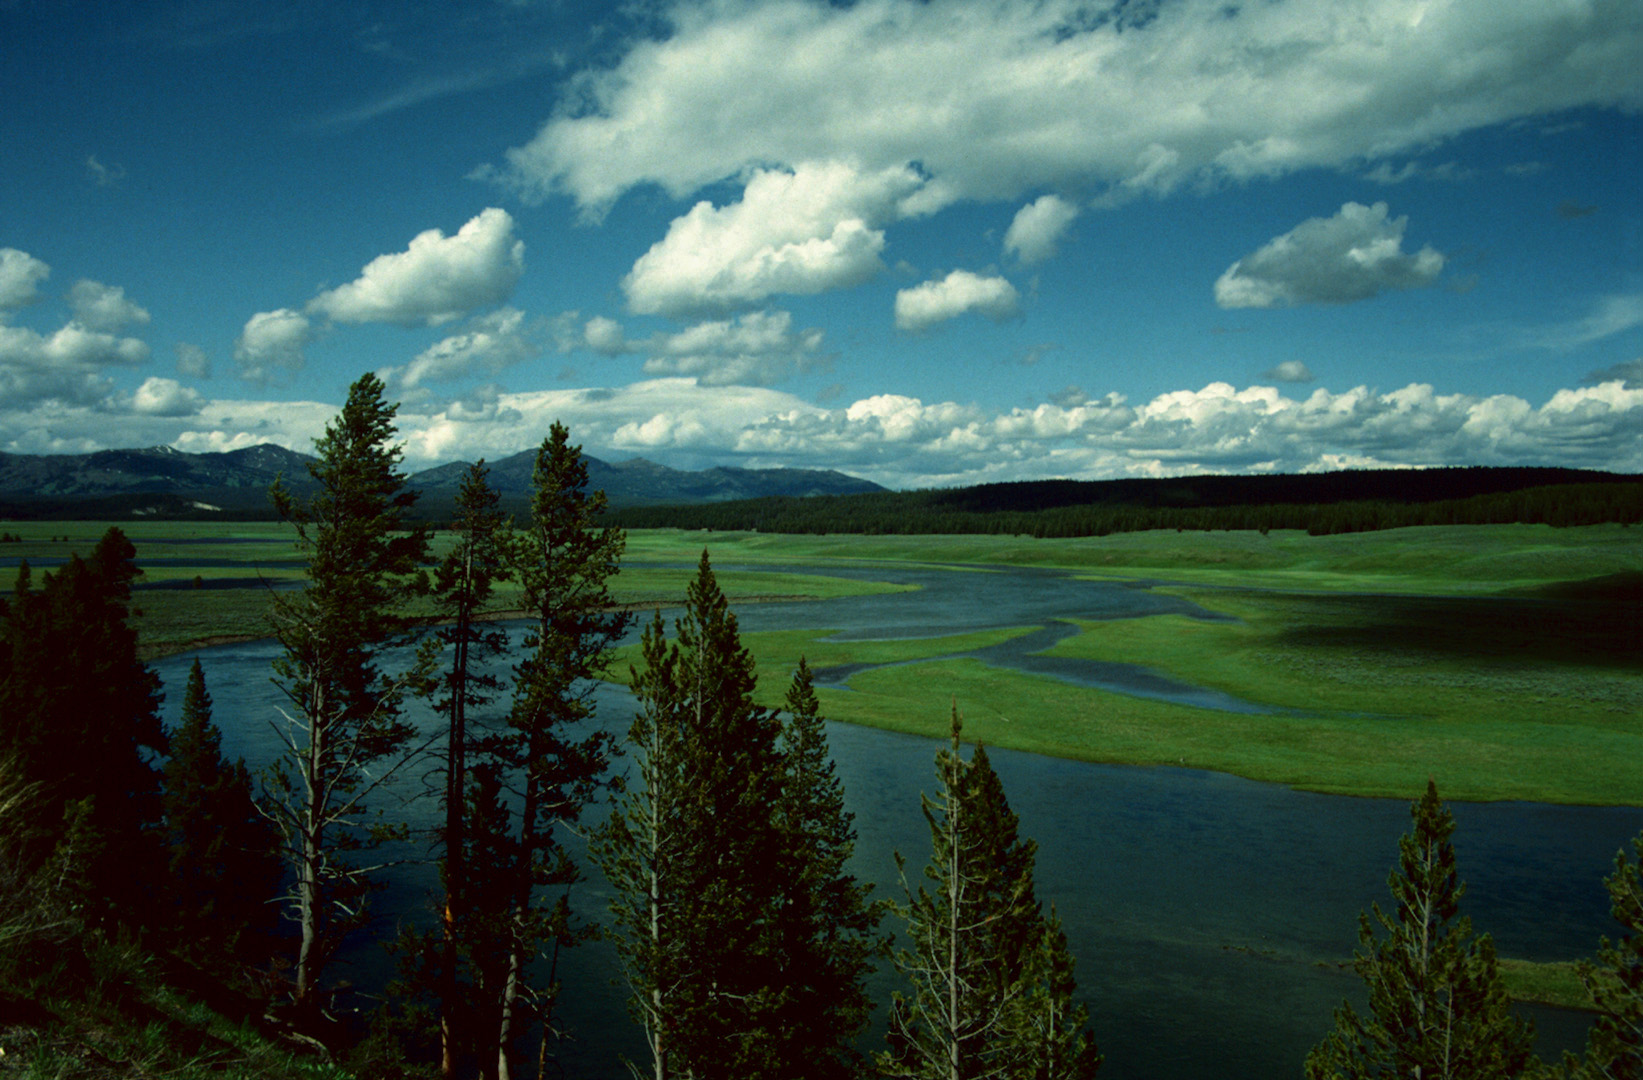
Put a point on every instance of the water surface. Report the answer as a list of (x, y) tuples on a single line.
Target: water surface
[(1206, 912)]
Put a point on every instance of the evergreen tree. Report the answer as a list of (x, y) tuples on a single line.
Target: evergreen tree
[(1614, 1046), (223, 864), (563, 560), (463, 586), (991, 978), (695, 855), (642, 850), (343, 735), (826, 927), (79, 713), (1438, 1009)]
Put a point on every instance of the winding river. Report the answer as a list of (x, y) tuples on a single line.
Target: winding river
[(1207, 912)]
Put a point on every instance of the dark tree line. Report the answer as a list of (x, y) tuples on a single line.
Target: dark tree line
[(745, 938), (1053, 509)]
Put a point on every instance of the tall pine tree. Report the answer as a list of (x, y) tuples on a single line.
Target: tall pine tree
[(563, 559), (223, 863), (825, 930), (991, 979), (1437, 1007), (343, 736), (695, 855), (463, 587)]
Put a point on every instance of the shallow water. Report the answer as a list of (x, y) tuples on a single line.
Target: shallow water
[(1199, 905)]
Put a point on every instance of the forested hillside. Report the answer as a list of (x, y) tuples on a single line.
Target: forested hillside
[(1354, 501)]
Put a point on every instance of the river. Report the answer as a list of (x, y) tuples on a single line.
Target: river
[(1205, 911)]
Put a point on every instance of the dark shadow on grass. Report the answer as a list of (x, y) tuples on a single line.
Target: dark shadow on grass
[(1594, 623)]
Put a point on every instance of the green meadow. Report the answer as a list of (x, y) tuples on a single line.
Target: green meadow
[(1505, 661)]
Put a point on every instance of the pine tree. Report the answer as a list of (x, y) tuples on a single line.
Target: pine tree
[(642, 850), (991, 978), (343, 736), (1438, 1009), (694, 855), (463, 586), (79, 713), (563, 560), (1614, 1047), (826, 926), (223, 865)]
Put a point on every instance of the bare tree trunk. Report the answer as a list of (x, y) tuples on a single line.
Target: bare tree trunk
[(521, 903), (312, 852), (455, 791)]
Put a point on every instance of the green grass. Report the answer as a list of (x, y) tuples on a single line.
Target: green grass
[(1555, 983), (1506, 661), (1446, 560)]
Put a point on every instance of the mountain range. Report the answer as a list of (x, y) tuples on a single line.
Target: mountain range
[(166, 483)]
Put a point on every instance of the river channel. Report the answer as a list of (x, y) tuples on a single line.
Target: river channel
[(1207, 913)]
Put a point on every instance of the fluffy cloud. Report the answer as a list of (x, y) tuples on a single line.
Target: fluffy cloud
[(605, 336), (65, 366), (922, 306), (166, 397), (757, 349), (20, 276), (803, 231), (1038, 227), (271, 344), (490, 343), (994, 100), (906, 442), (1290, 371), (104, 307), (437, 279), (1355, 255)]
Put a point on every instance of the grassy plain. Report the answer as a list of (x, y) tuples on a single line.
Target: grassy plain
[(1506, 661)]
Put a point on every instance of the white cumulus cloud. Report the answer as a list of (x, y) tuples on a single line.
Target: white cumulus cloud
[(995, 100), (1038, 227), (104, 307), (490, 343), (20, 277), (757, 349), (436, 279), (605, 336), (922, 306), (1355, 255), (272, 344), (808, 230), (166, 397)]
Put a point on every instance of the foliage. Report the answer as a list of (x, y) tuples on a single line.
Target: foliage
[(693, 855), (343, 734), (223, 863), (1614, 1048), (991, 980), (1324, 503), (1438, 1008), (79, 713), (519, 874), (463, 587), (825, 930)]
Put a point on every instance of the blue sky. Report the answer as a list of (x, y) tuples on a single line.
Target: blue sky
[(926, 243)]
